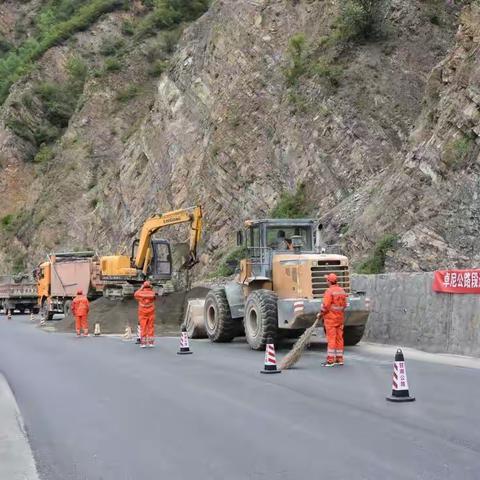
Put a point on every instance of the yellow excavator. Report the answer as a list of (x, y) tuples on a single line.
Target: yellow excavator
[(150, 259)]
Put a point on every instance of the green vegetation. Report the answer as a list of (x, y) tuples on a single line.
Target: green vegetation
[(361, 19), (56, 23), (167, 14), (5, 46), (128, 93), (291, 205), (376, 263), (111, 46), (128, 28), (297, 59), (327, 71), (304, 62), (44, 154), (229, 263), (58, 102), (158, 67), (458, 151), (7, 222), (113, 65)]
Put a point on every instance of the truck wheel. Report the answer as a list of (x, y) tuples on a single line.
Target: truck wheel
[(352, 335), (219, 323), (261, 318)]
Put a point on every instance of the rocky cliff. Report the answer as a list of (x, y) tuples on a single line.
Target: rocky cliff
[(132, 114)]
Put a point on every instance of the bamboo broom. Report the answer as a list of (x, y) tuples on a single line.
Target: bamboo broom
[(294, 355)]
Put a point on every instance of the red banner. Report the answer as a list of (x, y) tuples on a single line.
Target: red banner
[(457, 281)]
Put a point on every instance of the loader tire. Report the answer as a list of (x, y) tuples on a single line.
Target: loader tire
[(352, 335), (219, 323), (261, 318)]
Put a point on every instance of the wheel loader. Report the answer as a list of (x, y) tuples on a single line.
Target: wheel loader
[(279, 287)]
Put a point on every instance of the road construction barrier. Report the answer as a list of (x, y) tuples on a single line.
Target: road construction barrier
[(184, 345), (270, 363), (400, 391), (97, 332)]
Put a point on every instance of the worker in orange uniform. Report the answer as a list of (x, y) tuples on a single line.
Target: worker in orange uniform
[(333, 312), (145, 297), (80, 309)]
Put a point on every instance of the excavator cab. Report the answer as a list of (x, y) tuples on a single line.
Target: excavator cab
[(160, 265)]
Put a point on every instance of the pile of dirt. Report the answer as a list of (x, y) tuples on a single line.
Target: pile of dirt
[(114, 315)]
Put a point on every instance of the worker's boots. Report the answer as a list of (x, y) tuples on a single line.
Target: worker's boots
[(328, 364), (339, 361)]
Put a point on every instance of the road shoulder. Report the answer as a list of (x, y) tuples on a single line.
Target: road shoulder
[(16, 458)]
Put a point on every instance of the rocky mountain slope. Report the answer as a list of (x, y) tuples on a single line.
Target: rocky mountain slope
[(141, 110)]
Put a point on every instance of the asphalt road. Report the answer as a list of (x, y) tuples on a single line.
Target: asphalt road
[(102, 409)]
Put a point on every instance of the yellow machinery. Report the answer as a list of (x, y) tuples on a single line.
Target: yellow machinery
[(279, 287), (150, 259)]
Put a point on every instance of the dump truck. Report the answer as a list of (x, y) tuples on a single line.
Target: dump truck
[(150, 258), (61, 275), (18, 293), (278, 288)]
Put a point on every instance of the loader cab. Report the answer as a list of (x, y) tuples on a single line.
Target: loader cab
[(263, 239), (160, 267)]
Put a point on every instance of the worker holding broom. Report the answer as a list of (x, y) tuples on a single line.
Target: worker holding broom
[(145, 297), (333, 312), (80, 309)]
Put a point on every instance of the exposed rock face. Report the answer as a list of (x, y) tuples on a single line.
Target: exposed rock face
[(222, 127), (430, 195)]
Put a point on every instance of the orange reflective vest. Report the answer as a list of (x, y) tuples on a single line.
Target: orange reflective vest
[(80, 306), (334, 305)]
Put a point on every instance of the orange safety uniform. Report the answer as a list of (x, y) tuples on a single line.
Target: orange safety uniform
[(145, 297), (80, 309), (333, 311)]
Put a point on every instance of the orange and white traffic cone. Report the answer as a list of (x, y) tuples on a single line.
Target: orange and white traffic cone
[(97, 331), (128, 333), (9, 314), (184, 346), (139, 335), (270, 360), (400, 392)]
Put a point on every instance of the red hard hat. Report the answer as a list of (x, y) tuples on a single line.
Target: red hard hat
[(331, 277), (79, 291), (147, 284)]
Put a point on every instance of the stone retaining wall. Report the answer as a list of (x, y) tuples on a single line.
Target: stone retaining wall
[(406, 312)]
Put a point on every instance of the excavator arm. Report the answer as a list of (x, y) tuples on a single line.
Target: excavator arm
[(191, 215)]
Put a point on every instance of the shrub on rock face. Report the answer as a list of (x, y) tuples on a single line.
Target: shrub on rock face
[(362, 19), (376, 263)]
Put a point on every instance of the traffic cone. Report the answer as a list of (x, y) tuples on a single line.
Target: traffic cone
[(97, 332), (32, 317), (184, 346), (9, 314), (128, 333), (139, 335), (400, 392), (270, 360)]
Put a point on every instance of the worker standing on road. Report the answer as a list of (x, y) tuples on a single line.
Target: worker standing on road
[(145, 297), (333, 312), (80, 309)]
